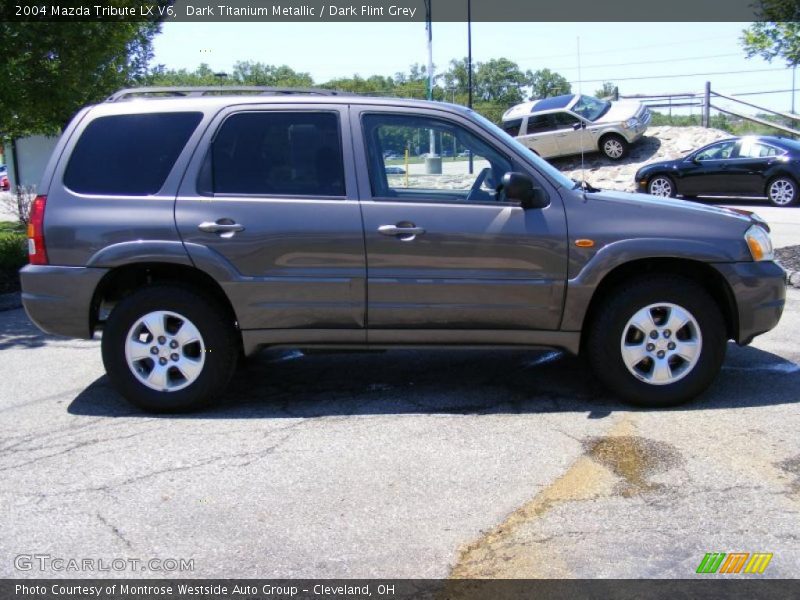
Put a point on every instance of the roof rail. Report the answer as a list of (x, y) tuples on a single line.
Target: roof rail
[(213, 90)]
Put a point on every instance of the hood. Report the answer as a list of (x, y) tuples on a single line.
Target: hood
[(679, 208), (660, 165), (621, 110)]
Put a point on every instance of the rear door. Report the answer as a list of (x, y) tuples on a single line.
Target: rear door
[(749, 169), (540, 135), (269, 207), (444, 252)]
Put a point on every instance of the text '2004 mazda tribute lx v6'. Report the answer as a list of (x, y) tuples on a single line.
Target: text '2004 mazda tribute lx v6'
[(197, 228)]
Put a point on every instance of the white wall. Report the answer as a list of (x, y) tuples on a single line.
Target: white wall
[(32, 153)]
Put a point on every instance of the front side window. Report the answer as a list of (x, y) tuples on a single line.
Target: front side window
[(276, 153), (128, 155), (419, 179), (565, 120), (719, 151)]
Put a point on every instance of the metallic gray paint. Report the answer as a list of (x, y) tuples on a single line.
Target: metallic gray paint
[(313, 271), (58, 299)]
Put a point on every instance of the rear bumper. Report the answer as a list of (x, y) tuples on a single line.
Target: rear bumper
[(759, 289), (58, 299)]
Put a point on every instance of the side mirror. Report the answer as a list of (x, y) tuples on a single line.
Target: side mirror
[(518, 187), (579, 125)]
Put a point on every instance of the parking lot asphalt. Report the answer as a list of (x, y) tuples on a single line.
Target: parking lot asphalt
[(398, 464)]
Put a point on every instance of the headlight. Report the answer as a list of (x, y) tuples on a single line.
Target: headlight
[(759, 243), (631, 123)]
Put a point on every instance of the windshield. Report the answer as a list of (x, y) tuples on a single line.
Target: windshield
[(591, 108), (557, 176)]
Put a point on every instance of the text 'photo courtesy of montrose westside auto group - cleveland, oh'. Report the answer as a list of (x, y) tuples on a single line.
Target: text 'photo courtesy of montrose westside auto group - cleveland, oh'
[(409, 299)]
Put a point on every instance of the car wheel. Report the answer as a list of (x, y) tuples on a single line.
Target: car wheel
[(657, 341), (168, 349), (662, 186), (614, 146), (782, 191)]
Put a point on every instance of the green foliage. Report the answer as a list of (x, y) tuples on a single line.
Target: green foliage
[(606, 91), (545, 83), (48, 71), (778, 35), (13, 250)]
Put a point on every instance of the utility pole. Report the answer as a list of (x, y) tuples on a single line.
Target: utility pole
[(469, 69)]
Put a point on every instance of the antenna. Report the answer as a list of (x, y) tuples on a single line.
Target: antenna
[(582, 128)]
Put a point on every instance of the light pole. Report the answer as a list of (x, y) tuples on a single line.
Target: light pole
[(433, 164)]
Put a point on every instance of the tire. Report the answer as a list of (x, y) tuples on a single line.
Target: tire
[(643, 384), (614, 147), (199, 350), (662, 186), (783, 191)]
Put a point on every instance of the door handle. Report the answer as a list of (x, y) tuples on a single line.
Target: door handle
[(405, 233), (224, 227)]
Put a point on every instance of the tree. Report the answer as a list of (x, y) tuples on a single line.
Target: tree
[(51, 70), (545, 83), (607, 91), (778, 35)]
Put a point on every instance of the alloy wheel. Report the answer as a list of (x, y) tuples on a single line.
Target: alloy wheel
[(661, 186), (661, 343), (782, 192), (613, 148), (165, 351)]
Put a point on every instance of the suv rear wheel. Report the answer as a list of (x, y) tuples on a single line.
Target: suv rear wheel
[(657, 341), (168, 349)]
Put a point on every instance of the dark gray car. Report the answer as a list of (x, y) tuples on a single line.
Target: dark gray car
[(194, 229)]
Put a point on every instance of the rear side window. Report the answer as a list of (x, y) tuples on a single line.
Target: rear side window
[(128, 155), (512, 127), (277, 153)]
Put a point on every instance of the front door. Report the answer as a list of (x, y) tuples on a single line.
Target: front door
[(706, 171), (271, 211), (443, 250)]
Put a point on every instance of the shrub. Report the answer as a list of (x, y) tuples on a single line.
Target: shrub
[(13, 250)]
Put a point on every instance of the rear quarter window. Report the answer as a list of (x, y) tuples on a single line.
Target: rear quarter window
[(128, 155)]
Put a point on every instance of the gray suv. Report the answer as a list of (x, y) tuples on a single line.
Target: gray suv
[(194, 229)]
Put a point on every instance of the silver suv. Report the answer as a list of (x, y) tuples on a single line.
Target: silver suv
[(196, 228), (571, 124)]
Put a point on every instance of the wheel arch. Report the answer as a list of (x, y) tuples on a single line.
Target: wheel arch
[(702, 273), (123, 280)]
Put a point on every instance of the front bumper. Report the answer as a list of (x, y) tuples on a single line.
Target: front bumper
[(759, 289), (58, 299)]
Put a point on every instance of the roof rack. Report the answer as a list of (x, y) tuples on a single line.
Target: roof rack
[(214, 90)]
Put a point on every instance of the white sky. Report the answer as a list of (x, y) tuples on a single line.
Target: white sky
[(609, 51)]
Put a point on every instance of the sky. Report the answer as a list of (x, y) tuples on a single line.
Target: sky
[(641, 58)]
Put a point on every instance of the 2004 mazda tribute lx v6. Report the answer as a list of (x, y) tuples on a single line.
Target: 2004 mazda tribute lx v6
[(196, 228)]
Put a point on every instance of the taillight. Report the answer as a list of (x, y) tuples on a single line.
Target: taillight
[(37, 255)]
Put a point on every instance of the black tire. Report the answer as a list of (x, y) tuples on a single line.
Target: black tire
[(658, 184), (614, 146), (780, 187), (604, 340), (221, 347)]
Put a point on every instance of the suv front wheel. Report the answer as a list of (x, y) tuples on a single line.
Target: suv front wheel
[(168, 349), (657, 341), (614, 146)]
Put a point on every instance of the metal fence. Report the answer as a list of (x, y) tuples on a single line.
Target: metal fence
[(704, 101)]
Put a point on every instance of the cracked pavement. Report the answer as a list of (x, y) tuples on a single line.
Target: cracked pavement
[(399, 464)]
